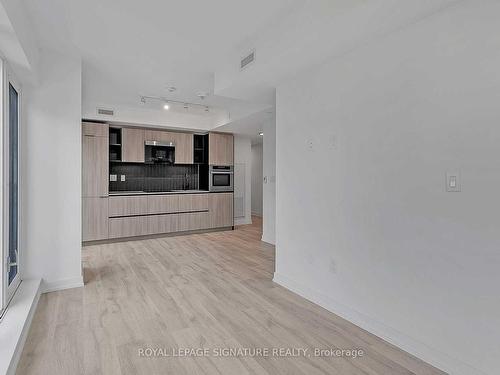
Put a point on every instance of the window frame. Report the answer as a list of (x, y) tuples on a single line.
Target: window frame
[(7, 291)]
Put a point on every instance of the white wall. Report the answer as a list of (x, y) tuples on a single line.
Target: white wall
[(257, 179), (364, 224), (269, 185), (51, 174), (243, 155)]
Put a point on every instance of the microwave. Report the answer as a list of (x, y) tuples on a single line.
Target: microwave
[(159, 152), (220, 178)]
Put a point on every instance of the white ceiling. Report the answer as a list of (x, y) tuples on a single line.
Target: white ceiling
[(131, 48), (250, 126)]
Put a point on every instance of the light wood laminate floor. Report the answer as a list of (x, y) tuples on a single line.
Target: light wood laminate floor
[(210, 291)]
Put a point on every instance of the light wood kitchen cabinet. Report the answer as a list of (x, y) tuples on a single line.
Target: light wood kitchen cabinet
[(133, 145), (175, 203), (127, 206), (163, 223), (162, 204), (140, 215), (95, 159), (94, 218), (179, 222), (193, 221), (184, 152), (220, 149), (220, 206), (95, 129), (159, 135), (128, 226)]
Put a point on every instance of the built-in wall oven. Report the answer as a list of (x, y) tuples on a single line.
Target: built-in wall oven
[(220, 178)]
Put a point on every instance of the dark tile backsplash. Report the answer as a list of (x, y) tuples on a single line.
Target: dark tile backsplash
[(153, 177)]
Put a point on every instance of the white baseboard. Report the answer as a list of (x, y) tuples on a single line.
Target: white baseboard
[(52, 286), (16, 324), (242, 221), (420, 350), (258, 214), (267, 240)]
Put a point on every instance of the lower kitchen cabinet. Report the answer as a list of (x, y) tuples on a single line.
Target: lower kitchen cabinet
[(193, 221), (130, 216), (163, 224), (94, 218), (128, 206), (128, 226), (220, 206), (175, 203), (180, 222)]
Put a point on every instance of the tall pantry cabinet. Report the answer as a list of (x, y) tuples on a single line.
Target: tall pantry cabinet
[(95, 165)]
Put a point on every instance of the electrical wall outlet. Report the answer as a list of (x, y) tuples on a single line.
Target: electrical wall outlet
[(113, 177), (122, 177)]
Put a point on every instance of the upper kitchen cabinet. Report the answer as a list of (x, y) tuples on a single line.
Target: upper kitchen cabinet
[(94, 129), (183, 148), (220, 149), (159, 136), (133, 145), (95, 159)]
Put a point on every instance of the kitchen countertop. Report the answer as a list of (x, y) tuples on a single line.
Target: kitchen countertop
[(119, 193)]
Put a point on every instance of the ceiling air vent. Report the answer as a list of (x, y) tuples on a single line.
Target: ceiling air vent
[(247, 60), (104, 111)]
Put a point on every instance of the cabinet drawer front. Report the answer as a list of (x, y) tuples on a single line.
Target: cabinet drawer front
[(163, 223), (193, 202), (163, 204), (193, 221), (170, 223), (125, 206), (128, 226)]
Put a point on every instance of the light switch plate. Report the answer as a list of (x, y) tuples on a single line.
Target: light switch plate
[(112, 177), (122, 177), (453, 182)]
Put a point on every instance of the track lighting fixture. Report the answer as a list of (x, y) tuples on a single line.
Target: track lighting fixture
[(167, 103)]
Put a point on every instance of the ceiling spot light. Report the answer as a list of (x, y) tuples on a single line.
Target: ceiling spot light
[(261, 134), (166, 106), (143, 100), (172, 88)]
